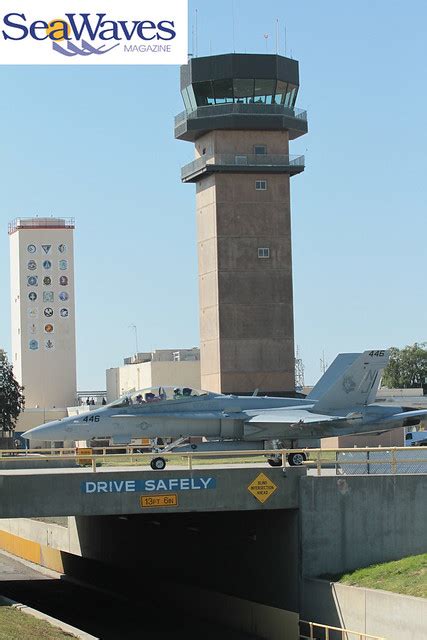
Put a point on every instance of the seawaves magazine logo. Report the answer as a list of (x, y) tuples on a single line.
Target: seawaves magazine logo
[(98, 32)]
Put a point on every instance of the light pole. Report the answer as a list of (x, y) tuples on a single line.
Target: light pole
[(133, 326)]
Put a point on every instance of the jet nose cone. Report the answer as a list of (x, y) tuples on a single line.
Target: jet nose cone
[(43, 432)]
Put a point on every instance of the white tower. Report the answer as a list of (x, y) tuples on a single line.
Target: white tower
[(43, 310)]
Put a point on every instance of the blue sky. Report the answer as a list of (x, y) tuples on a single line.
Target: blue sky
[(96, 143)]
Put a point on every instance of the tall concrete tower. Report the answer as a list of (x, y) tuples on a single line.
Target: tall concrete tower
[(240, 113), (43, 310)]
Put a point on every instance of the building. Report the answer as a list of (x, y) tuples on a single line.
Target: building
[(43, 310), (163, 367), (240, 114)]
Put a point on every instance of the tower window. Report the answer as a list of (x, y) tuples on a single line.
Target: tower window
[(260, 149), (263, 252), (261, 185)]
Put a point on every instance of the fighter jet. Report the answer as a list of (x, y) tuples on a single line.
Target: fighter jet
[(341, 403)]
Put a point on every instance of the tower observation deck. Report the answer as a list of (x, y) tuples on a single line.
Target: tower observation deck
[(240, 114)]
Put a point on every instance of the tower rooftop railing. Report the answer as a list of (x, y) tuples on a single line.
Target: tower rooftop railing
[(40, 223), (232, 108), (242, 163)]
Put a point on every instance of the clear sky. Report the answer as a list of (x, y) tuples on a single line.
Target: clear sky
[(96, 143)]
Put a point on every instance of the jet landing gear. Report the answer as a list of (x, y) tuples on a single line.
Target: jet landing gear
[(296, 459), (275, 462), (158, 464)]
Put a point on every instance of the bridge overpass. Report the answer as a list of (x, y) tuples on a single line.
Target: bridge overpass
[(247, 532), (27, 493)]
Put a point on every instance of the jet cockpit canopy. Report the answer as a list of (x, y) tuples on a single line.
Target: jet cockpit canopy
[(158, 394)]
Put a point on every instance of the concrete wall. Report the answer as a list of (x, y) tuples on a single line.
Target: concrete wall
[(356, 521), (236, 613), (388, 615)]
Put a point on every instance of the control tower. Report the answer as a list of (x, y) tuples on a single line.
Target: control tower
[(240, 114)]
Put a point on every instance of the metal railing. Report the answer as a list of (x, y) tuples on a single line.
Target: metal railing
[(243, 160), (319, 631), (317, 459), (41, 223), (232, 108)]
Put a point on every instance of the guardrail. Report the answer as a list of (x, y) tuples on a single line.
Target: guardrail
[(397, 459), (327, 632), (242, 160), (241, 109)]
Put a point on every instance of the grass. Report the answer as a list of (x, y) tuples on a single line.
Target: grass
[(407, 576), (15, 625)]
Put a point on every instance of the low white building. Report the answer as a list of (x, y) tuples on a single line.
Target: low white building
[(162, 367)]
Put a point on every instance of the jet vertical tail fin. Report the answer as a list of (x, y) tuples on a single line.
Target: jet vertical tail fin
[(358, 385), (332, 373)]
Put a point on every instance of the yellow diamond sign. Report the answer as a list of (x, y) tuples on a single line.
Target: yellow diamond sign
[(262, 487)]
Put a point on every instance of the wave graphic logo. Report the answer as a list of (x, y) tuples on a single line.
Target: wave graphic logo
[(87, 50), (63, 33)]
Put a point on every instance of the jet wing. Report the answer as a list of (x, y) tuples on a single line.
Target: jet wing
[(398, 417), (294, 417)]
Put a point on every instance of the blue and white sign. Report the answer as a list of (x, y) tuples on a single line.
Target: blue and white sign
[(93, 32), (195, 483)]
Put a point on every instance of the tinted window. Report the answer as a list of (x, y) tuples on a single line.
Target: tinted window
[(290, 96), (186, 100), (243, 91), (223, 90), (264, 91), (281, 89), (204, 93)]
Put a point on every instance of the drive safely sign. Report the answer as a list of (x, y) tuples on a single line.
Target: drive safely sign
[(193, 483)]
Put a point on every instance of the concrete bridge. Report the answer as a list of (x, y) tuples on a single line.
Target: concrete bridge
[(26, 493), (252, 534)]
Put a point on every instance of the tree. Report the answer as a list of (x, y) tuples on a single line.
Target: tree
[(12, 400), (407, 368)]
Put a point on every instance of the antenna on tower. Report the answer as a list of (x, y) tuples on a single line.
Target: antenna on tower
[(266, 41), (285, 42), (192, 41), (277, 36), (196, 47), (234, 26)]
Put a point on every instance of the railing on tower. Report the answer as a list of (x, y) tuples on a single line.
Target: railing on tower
[(40, 223), (241, 109)]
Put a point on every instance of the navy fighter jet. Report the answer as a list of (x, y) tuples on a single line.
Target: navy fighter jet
[(342, 403)]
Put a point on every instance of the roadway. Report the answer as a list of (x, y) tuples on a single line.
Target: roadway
[(170, 467), (102, 613)]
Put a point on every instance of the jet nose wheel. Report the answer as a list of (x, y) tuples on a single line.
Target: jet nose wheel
[(158, 464), (275, 462), (296, 459)]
